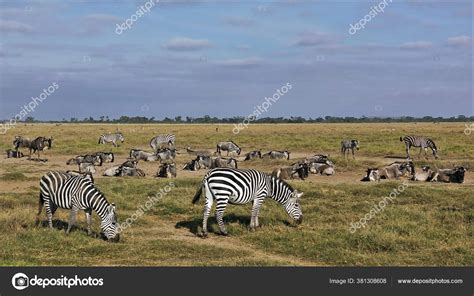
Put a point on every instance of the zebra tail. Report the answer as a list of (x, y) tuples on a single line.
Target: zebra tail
[(197, 196), (401, 139)]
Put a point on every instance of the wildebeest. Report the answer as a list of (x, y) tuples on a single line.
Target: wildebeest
[(321, 168), (425, 175), (106, 156), (21, 142), (218, 162), (228, 146), (87, 167), (40, 144), (14, 154), (347, 145), (132, 172), (112, 172), (94, 159), (277, 154), (455, 175), (396, 170), (299, 170), (372, 175), (130, 163), (143, 155), (193, 165), (167, 170), (166, 154), (111, 138), (252, 155)]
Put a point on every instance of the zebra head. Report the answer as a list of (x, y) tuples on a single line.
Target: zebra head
[(355, 144), (120, 137), (109, 225), (293, 207)]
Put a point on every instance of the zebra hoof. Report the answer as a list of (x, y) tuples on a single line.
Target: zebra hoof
[(202, 234)]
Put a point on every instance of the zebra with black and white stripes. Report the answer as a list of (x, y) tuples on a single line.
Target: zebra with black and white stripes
[(111, 138), (422, 142), (159, 140), (226, 185), (76, 192)]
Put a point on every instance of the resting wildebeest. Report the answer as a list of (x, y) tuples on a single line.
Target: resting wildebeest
[(112, 172), (347, 145), (397, 170), (132, 172), (321, 168), (218, 162), (105, 156), (130, 163), (372, 175), (455, 175), (14, 154), (277, 154), (229, 146), (40, 144), (166, 154), (193, 165), (252, 155), (425, 175), (167, 170), (143, 155), (299, 170), (87, 167), (94, 159)]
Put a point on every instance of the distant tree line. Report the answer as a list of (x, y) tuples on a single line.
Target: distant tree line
[(239, 119)]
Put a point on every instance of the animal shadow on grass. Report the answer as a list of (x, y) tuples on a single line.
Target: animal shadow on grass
[(195, 225), (62, 225)]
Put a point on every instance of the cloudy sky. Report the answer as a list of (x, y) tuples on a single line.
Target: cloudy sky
[(222, 58)]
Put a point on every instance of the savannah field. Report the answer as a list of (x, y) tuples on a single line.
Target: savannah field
[(429, 224)]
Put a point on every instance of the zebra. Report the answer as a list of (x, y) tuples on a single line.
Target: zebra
[(40, 144), (70, 191), (229, 146), (226, 185), (349, 144), (157, 141), (111, 138), (422, 142)]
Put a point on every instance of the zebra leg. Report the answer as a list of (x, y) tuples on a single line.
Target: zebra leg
[(407, 149), (40, 208), (72, 219), (49, 213), (207, 212), (257, 203), (89, 221), (221, 204), (353, 155)]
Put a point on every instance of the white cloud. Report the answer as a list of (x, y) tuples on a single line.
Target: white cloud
[(462, 40), (246, 62), (15, 27), (186, 44), (417, 45)]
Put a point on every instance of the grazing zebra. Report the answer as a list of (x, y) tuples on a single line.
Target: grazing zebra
[(40, 144), (229, 147), (69, 191), (225, 185), (167, 139), (111, 138), (422, 142), (347, 145)]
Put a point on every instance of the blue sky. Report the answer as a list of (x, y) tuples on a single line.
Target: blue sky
[(222, 58)]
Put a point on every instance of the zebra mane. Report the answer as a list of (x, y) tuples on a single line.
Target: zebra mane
[(282, 182)]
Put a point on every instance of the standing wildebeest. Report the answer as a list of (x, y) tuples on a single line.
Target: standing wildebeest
[(111, 138), (40, 144), (14, 154), (229, 146), (347, 145), (277, 154), (143, 155), (21, 142), (372, 175), (167, 170), (455, 175), (159, 140), (230, 186), (422, 142), (252, 155)]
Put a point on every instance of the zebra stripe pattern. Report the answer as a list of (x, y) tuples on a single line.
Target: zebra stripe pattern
[(111, 138), (226, 185), (167, 139), (76, 192), (422, 142)]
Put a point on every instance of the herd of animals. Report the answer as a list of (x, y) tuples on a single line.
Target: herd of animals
[(224, 183)]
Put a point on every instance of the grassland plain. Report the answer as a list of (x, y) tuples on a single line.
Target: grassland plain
[(428, 224)]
